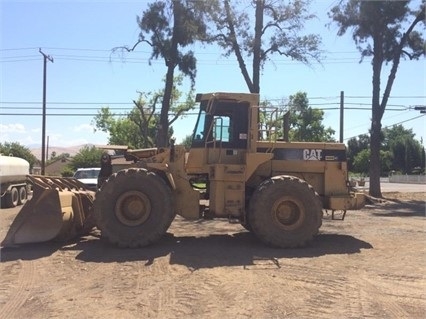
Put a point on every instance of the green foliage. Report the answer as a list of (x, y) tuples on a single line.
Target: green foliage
[(187, 141), (305, 122), (385, 19), (88, 156), (385, 31), (121, 130), (361, 162), (67, 172), (385, 161), (169, 27), (405, 149), (138, 128), (356, 145), (400, 151), (18, 150)]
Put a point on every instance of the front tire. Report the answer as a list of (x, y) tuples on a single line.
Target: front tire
[(133, 208), (285, 212)]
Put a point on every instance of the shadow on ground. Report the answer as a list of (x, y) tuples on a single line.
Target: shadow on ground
[(238, 249), (401, 208)]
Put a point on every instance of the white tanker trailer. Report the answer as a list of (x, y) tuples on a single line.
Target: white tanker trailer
[(13, 186)]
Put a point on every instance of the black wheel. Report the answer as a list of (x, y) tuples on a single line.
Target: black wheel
[(22, 195), (285, 212), (133, 208), (12, 198), (245, 222)]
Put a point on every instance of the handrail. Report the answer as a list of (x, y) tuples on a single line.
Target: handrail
[(270, 132)]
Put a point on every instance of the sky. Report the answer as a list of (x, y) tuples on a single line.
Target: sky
[(86, 76)]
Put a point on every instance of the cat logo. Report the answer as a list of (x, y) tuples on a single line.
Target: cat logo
[(312, 155)]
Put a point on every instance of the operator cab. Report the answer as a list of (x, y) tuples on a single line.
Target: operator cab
[(222, 130), (222, 123)]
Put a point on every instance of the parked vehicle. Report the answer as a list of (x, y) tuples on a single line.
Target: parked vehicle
[(236, 169), (13, 186), (88, 176)]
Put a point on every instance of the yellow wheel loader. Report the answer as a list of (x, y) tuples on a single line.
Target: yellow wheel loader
[(237, 169)]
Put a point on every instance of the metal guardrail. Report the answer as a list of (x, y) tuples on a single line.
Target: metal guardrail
[(410, 179)]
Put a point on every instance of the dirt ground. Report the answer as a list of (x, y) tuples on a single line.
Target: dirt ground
[(371, 265)]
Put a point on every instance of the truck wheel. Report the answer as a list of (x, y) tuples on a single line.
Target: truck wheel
[(12, 198), (285, 212), (133, 208), (22, 195)]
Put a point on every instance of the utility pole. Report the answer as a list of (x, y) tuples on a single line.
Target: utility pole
[(43, 126)]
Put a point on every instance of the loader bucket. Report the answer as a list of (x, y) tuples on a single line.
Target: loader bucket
[(60, 209)]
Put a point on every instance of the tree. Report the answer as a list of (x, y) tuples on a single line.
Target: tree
[(405, 149), (18, 150), (145, 118), (380, 30), (277, 30), (400, 151), (270, 120), (305, 122), (121, 130), (88, 156), (356, 145), (187, 141), (167, 27), (361, 162), (138, 128)]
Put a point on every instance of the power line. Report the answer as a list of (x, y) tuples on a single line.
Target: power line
[(268, 99), (65, 103), (136, 51), (82, 114), (390, 125), (121, 108), (130, 57), (130, 109)]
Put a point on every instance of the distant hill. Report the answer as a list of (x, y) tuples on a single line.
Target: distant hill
[(72, 150)]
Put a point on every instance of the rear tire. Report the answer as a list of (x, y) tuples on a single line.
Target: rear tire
[(12, 198), (285, 212), (133, 208), (22, 195)]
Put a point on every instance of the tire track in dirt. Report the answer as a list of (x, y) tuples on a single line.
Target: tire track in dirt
[(21, 291), (383, 299), (360, 304), (320, 289), (177, 294), (68, 282)]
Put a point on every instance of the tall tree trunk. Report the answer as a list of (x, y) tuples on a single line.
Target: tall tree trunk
[(375, 169), (236, 47), (376, 126), (258, 29), (378, 109), (171, 63), (163, 127)]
